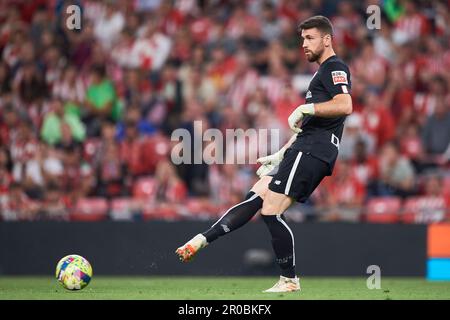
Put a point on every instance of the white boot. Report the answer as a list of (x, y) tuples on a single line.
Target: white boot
[(285, 285), (190, 248)]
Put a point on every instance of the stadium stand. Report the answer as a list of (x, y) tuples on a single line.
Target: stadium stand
[(86, 115)]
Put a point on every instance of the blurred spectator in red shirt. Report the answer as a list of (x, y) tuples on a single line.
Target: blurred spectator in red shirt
[(6, 177), (341, 196), (411, 25), (289, 100), (170, 188), (377, 119), (70, 89), (23, 147), (141, 154), (15, 205), (425, 102), (346, 23), (364, 165), (151, 49), (243, 83), (370, 68), (108, 166), (9, 122)]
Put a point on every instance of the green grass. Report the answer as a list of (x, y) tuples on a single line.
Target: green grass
[(227, 288)]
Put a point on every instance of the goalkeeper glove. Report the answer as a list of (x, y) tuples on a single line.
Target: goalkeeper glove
[(298, 114), (268, 163)]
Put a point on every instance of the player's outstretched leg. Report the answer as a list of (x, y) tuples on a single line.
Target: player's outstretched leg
[(233, 219), (282, 241)]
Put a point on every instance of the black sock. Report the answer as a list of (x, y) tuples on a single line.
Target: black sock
[(235, 217), (282, 243)]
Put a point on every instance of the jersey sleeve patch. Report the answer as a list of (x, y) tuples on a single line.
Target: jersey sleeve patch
[(339, 77)]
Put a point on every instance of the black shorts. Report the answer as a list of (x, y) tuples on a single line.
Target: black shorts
[(298, 175)]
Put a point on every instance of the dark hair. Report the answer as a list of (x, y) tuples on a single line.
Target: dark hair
[(323, 24), (99, 69)]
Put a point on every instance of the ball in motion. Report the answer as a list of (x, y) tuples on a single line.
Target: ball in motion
[(74, 272)]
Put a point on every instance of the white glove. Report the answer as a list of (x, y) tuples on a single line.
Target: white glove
[(298, 114), (268, 163)]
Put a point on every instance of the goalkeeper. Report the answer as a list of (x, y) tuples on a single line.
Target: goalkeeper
[(292, 173)]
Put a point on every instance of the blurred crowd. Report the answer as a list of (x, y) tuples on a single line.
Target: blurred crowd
[(88, 113)]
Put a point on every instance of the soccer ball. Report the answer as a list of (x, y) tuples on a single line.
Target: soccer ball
[(74, 272)]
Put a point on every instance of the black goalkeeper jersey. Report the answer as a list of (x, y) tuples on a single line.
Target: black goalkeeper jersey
[(320, 137)]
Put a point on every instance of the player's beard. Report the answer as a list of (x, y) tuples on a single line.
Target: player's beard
[(314, 56)]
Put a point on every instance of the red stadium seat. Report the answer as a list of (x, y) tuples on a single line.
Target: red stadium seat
[(424, 209), (160, 212), (90, 209), (446, 187), (383, 210), (144, 188), (124, 208), (201, 209)]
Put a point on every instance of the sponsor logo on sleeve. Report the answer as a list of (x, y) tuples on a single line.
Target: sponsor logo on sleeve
[(339, 77)]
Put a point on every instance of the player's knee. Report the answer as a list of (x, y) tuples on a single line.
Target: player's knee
[(269, 208)]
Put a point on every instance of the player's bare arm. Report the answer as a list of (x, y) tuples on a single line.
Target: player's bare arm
[(340, 105)]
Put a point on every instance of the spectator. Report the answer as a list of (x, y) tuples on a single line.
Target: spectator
[(77, 180), (137, 89), (271, 24), (9, 121), (71, 90), (53, 207), (433, 186), (16, 205), (364, 165), (5, 78), (436, 132), (108, 165), (228, 183), (229, 65), (6, 177), (101, 101), (354, 133), (131, 150), (396, 174), (133, 115), (341, 196), (256, 46), (170, 188), (377, 119), (412, 24), (109, 24), (23, 148), (29, 84), (55, 121)]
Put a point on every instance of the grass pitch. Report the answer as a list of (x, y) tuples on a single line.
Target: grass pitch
[(224, 288)]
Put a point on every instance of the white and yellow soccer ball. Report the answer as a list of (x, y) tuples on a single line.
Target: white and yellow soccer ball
[(74, 272)]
